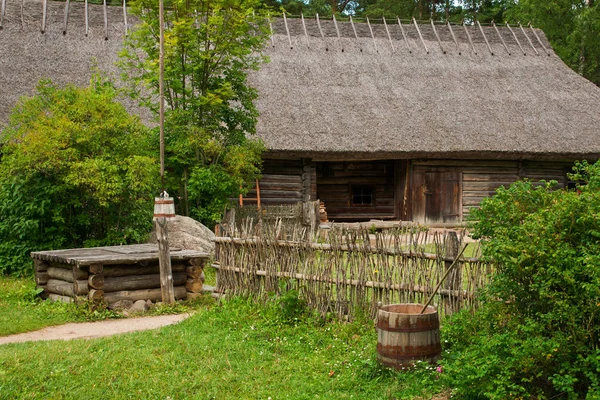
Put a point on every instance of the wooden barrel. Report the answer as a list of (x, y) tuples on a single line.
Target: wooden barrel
[(164, 207), (405, 336)]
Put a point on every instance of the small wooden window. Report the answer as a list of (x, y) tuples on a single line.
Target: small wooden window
[(363, 195)]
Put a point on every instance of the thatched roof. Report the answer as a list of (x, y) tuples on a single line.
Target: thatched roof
[(28, 55), (351, 96)]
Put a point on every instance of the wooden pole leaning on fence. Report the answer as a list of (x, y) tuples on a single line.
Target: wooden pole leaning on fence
[(443, 278)]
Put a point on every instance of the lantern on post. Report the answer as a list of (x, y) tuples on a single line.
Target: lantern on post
[(164, 210)]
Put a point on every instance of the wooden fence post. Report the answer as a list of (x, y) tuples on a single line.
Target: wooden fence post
[(164, 261)]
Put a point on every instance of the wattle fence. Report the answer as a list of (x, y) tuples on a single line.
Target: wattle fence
[(347, 272)]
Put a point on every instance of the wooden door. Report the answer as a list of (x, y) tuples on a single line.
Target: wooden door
[(436, 196)]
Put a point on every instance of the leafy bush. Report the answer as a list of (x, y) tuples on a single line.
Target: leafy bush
[(538, 333), (75, 170)]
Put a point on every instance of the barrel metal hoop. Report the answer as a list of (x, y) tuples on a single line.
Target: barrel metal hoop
[(408, 329)]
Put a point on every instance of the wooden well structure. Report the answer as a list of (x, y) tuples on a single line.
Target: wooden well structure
[(116, 273)]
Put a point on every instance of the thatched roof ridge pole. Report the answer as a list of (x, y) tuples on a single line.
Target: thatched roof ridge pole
[(321, 31), (404, 36), (305, 31), (354, 29), (372, 35), (539, 40), (437, 36), (389, 36), (105, 21), (125, 17), (87, 18), (529, 40), (501, 38), (516, 39), (420, 35), (287, 30), (485, 38), (66, 20), (453, 37), (469, 36), (337, 30)]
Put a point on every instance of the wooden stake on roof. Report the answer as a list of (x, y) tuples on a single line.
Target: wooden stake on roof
[(485, 38), (404, 36), (539, 40), (321, 31), (372, 35), (105, 21), (305, 31), (125, 17), (2, 12), (66, 19), (516, 39), (469, 36), (389, 36), (437, 36), (44, 14), (529, 40), (355, 34), (501, 38), (287, 30), (337, 30), (453, 37), (87, 20), (421, 36)]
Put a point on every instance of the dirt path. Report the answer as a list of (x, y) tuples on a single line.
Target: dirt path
[(91, 330)]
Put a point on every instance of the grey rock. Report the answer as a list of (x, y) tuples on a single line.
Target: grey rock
[(121, 305), (139, 306), (188, 234)]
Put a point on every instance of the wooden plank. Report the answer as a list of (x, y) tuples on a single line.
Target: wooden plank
[(62, 274), (60, 287), (41, 278), (136, 269), (466, 163), (135, 282), (468, 177), (143, 294), (80, 288), (62, 299)]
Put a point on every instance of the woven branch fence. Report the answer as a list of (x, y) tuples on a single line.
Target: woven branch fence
[(350, 272)]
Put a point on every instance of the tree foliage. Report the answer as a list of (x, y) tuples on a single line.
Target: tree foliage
[(75, 170), (210, 46), (538, 333)]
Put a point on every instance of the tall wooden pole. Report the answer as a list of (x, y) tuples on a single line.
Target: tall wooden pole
[(161, 90), (164, 256)]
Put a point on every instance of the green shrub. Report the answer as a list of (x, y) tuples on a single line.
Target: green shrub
[(538, 331), (75, 170)]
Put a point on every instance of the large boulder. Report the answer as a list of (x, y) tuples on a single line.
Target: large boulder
[(188, 234)]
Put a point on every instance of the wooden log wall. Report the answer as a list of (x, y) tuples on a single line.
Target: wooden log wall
[(285, 182), (334, 188), (64, 282), (481, 178)]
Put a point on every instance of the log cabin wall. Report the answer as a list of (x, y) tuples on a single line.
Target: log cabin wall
[(285, 182), (355, 191), (442, 188)]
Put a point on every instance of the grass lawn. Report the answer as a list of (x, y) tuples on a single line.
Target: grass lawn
[(233, 350)]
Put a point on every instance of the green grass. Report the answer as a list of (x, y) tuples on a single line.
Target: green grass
[(19, 312), (233, 350)]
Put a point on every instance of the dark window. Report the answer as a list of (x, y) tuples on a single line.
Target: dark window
[(363, 195)]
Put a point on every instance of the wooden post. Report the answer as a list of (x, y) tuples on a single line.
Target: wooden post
[(164, 261), (454, 279)]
